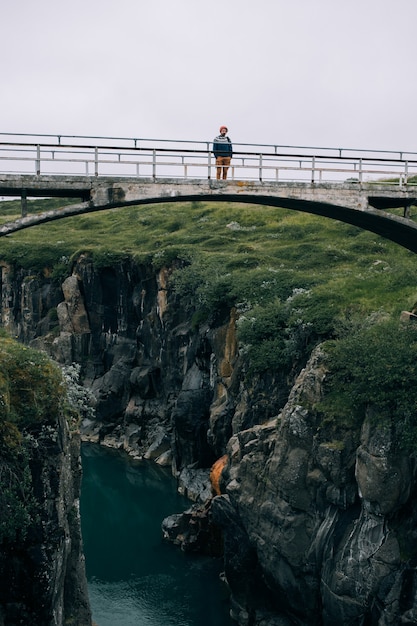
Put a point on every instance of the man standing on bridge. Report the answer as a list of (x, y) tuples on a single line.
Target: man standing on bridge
[(223, 152)]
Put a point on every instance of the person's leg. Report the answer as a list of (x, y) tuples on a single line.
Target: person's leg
[(218, 168), (226, 164)]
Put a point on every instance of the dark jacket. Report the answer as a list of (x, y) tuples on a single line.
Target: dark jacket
[(222, 146)]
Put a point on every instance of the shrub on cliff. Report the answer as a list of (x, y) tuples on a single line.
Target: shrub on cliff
[(375, 367), (30, 385), (79, 400), (280, 335)]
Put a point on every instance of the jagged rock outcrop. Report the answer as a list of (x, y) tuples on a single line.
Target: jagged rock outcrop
[(193, 531), (318, 519), (153, 375), (314, 514)]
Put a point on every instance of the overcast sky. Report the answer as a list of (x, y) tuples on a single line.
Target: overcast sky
[(327, 73)]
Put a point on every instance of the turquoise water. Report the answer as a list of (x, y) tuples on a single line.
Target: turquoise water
[(134, 577)]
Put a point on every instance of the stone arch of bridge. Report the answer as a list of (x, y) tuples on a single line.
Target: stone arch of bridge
[(401, 230)]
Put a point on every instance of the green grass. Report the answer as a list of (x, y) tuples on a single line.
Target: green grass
[(249, 256), (30, 386), (284, 245)]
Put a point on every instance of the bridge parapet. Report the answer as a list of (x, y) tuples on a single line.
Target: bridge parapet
[(45, 155)]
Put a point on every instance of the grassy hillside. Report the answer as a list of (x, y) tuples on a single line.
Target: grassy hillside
[(315, 272), (262, 253), (296, 279)]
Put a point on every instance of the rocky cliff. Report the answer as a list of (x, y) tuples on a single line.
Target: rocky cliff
[(318, 519), (42, 573)]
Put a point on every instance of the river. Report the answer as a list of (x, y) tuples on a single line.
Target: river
[(135, 578)]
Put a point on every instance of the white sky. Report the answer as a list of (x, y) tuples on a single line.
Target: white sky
[(328, 73)]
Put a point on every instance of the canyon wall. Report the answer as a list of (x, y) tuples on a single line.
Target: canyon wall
[(318, 520), (42, 573)]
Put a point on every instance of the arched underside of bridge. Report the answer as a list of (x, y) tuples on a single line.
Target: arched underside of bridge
[(397, 229)]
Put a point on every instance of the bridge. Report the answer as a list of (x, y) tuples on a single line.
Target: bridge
[(359, 187)]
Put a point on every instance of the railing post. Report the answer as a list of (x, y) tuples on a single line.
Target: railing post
[(260, 167), (405, 172), (154, 164), (23, 203), (360, 170), (313, 169), (209, 160), (38, 160), (96, 161)]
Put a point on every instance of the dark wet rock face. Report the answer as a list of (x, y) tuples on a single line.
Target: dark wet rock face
[(317, 520), (42, 576)]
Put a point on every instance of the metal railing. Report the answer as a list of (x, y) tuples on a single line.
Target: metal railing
[(72, 155)]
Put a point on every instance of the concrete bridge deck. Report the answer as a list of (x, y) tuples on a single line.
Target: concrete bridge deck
[(353, 203), (111, 190)]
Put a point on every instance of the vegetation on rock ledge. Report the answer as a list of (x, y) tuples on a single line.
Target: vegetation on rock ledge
[(373, 371), (31, 398)]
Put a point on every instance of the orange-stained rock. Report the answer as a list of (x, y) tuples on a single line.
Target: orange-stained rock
[(216, 472)]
